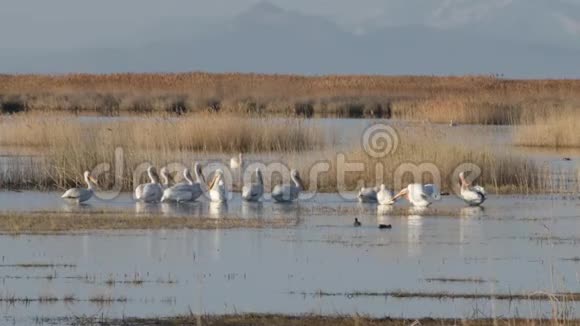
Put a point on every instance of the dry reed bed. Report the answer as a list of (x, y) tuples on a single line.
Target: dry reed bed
[(194, 133), (468, 99), (15, 223), (556, 131), (72, 147), (501, 172)]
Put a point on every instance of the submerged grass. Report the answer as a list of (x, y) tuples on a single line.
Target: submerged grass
[(13, 223), (39, 265), (534, 296), (311, 320)]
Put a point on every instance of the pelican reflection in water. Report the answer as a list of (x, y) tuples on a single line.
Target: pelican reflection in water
[(218, 209), (414, 230), (252, 210)]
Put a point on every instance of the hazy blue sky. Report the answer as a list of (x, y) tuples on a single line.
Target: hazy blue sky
[(30, 27), (71, 23)]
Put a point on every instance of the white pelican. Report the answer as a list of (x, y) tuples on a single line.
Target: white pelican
[(472, 195), (237, 168), (288, 192), (419, 195), (217, 188), (367, 195), (139, 189), (385, 196), (254, 191), (150, 192), (184, 191), (82, 194), (237, 162)]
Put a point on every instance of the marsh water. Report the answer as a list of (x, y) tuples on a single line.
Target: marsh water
[(318, 264), (516, 244)]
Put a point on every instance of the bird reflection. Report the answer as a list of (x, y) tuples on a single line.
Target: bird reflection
[(384, 209), (471, 211), (417, 211), (252, 210), (147, 208), (383, 214), (172, 209), (218, 209), (286, 210), (75, 207), (467, 227), (414, 230)]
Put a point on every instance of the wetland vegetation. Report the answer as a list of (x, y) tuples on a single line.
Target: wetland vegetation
[(55, 127)]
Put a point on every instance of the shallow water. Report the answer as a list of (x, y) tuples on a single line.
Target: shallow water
[(516, 244)]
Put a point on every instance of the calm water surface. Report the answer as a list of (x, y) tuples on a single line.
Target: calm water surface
[(515, 245)]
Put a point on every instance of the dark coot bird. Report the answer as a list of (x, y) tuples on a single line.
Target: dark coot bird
[(356, 222), (385, 226), (567, 159)]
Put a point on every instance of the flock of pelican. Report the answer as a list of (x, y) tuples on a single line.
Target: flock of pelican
[(157, 190), (420, 195)]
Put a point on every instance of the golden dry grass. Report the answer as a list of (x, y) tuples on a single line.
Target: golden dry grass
[(203, 132), (557, 130), (70, 147), (467, 99)]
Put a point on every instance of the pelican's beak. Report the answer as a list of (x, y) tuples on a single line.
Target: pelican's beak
[(93, 180), (213, 181), (400, 194)]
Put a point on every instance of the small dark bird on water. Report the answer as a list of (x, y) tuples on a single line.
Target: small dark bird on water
[(385, 226), (567, 159), (356, 222)]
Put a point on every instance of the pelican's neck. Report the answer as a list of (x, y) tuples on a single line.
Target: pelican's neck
[(199, 175), (296, 181), (152, 177), (165, 178), (90, 184), (464, 183), (187, 176)]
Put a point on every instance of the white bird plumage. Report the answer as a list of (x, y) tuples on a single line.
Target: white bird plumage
[(254, 190), (472, 195), (420, 195), (217, 188), (81, 194), (385, 196), (185, 191), (368, 194), (152, 191), (237, 162), (288, 192)]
